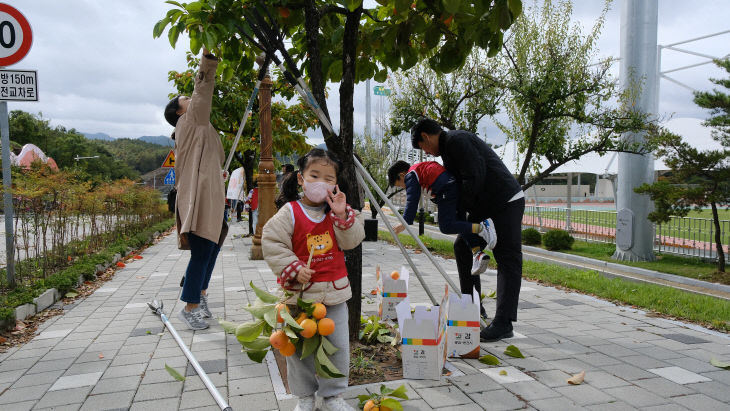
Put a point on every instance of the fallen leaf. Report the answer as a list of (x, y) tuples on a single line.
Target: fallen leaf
[(447, 373), (417, 252), (503, 372), (2, 339), (19, 325), (489, 360), (373, 292), (101, 356), (493, 294), (513, 351), (720, 364), (121, 264), (139, 277), (175, 374), (577, 379), (71, 294)]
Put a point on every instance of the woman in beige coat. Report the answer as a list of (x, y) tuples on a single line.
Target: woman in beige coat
[(200, 190)]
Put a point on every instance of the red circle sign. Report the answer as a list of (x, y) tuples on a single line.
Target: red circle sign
[(15, 35)]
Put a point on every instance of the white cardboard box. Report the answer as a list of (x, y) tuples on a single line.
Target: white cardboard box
[(463, 326), (423, 344), (391, 292)]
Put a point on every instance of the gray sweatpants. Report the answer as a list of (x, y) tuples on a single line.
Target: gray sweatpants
[(303, 381)]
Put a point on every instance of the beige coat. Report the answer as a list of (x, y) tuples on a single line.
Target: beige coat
[(276, 246), (199, 160)]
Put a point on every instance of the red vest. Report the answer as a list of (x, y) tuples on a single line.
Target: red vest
[(255, 198), (328, 261), (427, 173)]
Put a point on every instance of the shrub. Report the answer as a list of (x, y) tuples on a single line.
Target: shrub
[(531, 236), (558, 240)]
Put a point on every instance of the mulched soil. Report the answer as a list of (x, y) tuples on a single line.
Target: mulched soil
[(382, 363), (25, 330)]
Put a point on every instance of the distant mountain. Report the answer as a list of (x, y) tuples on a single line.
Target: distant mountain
[(161, 140), (98, 136)]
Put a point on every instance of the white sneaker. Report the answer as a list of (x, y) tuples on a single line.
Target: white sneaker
[(305, 404), (480, 263), (193, 319), (488, 233), (337, 404), (204, 310)]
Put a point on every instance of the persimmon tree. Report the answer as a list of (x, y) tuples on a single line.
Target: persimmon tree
[(342, 41)]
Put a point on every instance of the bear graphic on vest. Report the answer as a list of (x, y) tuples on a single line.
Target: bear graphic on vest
[(322, 243)]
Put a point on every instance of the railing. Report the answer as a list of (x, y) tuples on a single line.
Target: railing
[(681, 235)]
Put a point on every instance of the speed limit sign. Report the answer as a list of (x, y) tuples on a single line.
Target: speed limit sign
[(15, 35)]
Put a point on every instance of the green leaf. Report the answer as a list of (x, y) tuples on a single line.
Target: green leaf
[(174, 373), (385, 339), (352, 5), (381, 75), (324, 361), (391, 403), (174, 3), (432, 36), (502, 372), (195, 42), (71, 294), (159, 27), (335, 71), (720, 364), (289, 320), (385, 390), (515, 6), (513, 351), (309, 345), (172, 35), (263, 295), (257, 356), (228, 327), (227, 73), (363, 397), (403, 5), (505, 19), (290, 333), (328, 347), (451, 6), (249, 331), (400, 392), (489, 360), (260, 343), (270, 317), (305, 305), (493, 294), (259, 309)]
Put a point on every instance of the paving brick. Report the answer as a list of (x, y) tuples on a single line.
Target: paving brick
[(612, 406), (86, 367), (147, 392), (442, 396), (712, 389), (63, 397), (552, 404), (584, 394), (67, 407), (156, 405), (124, 370), (666, 407), (475, 383), (417, 405), (700, 402), (110, 401), (531, 390), (636, 396), (107, 385), (627, 372), (497, 400), (250, 386), (201, 398)]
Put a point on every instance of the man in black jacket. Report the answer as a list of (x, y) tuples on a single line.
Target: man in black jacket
[(487, 190)]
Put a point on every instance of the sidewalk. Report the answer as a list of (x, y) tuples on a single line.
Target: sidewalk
[(109, 351)]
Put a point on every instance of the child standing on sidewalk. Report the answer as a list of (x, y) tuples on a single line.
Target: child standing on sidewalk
[(320, 220)]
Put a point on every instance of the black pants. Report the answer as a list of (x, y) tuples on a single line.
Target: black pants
[(508, 255)]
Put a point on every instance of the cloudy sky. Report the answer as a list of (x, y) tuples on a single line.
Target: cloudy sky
[(100, 70)]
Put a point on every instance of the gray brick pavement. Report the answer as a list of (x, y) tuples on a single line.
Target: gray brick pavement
[(100, 355)]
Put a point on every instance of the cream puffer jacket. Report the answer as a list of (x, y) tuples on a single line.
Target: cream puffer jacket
[(276, 245)]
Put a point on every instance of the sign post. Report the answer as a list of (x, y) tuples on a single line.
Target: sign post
[(16, 38)]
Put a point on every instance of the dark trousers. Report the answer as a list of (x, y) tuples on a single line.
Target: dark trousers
[(508, 255), (446, 197), (203, 254)]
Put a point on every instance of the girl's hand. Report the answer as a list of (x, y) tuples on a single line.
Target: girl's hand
[(304, 275), (338, 203), (399, 228)]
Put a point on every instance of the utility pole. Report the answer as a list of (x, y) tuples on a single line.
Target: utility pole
[(638, 72), (267, 177), (368, 123)]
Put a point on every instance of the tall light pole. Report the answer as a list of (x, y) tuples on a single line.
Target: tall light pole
[(267, 177), (638, 73)]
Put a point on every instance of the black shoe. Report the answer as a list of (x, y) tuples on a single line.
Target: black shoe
[(496, 331), (483, 313)]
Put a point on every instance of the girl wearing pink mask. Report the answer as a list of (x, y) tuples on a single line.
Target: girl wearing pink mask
[(320, 222)]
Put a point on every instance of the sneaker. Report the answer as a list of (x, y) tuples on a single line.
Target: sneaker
[(204, 306), (193, 319), (481, 261), (305, 404), (337, 404), (488, 233)]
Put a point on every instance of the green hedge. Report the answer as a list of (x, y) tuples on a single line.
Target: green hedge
[(66, 279)]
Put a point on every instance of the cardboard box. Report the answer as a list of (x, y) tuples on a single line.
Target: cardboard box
[(423, 344), (463, 326), (391, 292)]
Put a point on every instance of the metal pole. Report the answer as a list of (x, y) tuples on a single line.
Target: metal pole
[(638, 72), (421, 217), (368, 123), (156, 308), (7, 195)]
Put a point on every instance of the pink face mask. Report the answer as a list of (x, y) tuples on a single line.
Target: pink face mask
[(317, 191)]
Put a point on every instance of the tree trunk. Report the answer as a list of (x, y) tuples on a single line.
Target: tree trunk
[(718, 239)]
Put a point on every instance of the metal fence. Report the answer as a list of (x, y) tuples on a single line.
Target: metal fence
[(681, 235)]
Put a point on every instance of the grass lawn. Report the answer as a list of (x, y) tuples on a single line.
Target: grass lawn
[(677, 227), (708, 311)]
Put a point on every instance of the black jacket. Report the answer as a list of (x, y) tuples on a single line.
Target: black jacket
[(485, 183)]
